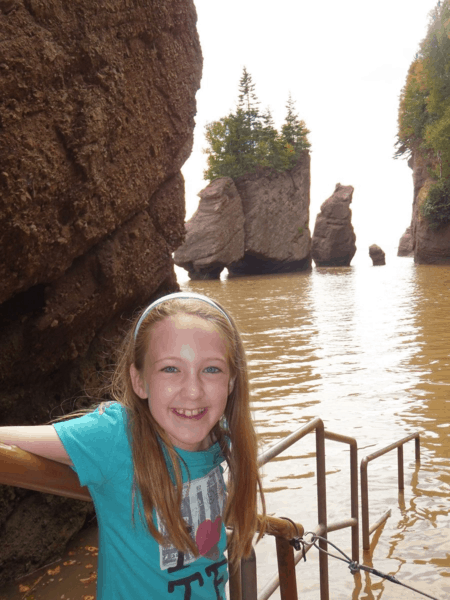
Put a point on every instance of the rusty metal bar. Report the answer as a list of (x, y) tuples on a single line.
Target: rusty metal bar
[(281, 527), (336, 437), (26, 470), (387, 449), (286, 569), (249, 582), (337, 525), (322, 508), (366, 529), (235, 582), (380, 521), (274, 583), (401, 479), (283, 444)]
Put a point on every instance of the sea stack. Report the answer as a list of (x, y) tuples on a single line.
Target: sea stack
[(215, 234), (333, 241), (377, 255)]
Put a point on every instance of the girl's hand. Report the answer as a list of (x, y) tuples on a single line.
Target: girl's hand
[(38, 439)]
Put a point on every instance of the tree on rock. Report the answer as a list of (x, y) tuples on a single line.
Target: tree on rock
[(294, 136), (247, 139)]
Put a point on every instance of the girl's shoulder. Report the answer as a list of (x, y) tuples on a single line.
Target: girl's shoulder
[(107, 420), (112, 408)]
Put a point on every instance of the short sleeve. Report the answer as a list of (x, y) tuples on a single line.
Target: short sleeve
[(91, 441)]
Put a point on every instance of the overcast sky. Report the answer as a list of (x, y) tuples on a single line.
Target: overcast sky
[(345, 64)]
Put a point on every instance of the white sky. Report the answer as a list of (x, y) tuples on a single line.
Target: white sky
[(345, 63)]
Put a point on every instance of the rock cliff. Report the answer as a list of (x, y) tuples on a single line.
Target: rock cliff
[(215, 234), (333, 242), (96, 119), (429, 246), (259, 224)]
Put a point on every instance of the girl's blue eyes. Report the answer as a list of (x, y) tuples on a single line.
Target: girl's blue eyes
[(207, 370)]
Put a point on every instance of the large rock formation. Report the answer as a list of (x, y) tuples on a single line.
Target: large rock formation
[(377, 255), (430, 246), (215, 234), (333, 242), (276, 211), (406, 244), (275, 227), (96, 119)]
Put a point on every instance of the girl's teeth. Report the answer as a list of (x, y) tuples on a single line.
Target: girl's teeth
[(190, 413)]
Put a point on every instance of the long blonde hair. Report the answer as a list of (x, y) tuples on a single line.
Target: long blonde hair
[(151, 474)]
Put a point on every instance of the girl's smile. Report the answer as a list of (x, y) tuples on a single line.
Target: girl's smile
[(186, 379), (197, 413)]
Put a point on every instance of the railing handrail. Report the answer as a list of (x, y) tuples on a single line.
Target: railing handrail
[(367, 529), (393, 446), (24, 469), (267, 455)]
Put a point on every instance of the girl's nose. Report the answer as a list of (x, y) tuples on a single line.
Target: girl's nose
[(193, 387)]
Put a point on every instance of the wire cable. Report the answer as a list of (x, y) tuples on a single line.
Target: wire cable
[(356, 567)]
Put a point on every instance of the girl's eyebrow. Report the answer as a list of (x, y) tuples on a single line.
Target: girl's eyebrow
[(177, 358)]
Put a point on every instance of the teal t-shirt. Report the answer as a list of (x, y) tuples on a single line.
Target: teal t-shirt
[(131, 564)]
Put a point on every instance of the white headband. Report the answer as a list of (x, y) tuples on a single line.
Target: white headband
[(181, 296)]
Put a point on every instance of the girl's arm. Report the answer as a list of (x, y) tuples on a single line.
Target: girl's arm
[(38, 439)]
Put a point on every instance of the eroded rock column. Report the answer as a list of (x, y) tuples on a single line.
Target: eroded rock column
[(333, 242)]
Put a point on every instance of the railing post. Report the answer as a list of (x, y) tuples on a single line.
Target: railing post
[(322, 508), (401, 481), (365, 505), (286, 569), (354, 501), (249, 582), (235, 582), (417, 447)]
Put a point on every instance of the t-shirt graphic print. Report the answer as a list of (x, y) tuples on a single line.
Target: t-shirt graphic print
[(202, 508)]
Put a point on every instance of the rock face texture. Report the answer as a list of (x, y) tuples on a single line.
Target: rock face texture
[(96, 119), (257, 225), (430, 247), (333, 242), (276, 211), (215, 234), (406, 244), (377, 255)]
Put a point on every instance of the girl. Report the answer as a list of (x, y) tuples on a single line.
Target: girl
[(152, 458)]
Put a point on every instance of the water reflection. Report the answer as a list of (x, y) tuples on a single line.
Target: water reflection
[(367, 350)]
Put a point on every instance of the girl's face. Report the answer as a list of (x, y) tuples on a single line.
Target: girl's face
[(186, 379)]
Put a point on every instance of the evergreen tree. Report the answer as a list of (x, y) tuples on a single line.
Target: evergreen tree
[(294, 131), (294, 136), (247, 139)]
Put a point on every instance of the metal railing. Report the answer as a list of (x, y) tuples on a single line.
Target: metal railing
[(367, 529), (286, 577), (285, 555), (26, 470)]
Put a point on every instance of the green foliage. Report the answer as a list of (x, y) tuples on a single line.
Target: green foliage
[(425, 99), (424, 113), (247, 139), (413, 114), (436, 207)]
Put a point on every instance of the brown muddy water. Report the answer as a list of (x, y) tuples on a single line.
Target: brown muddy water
[(366, 349)]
